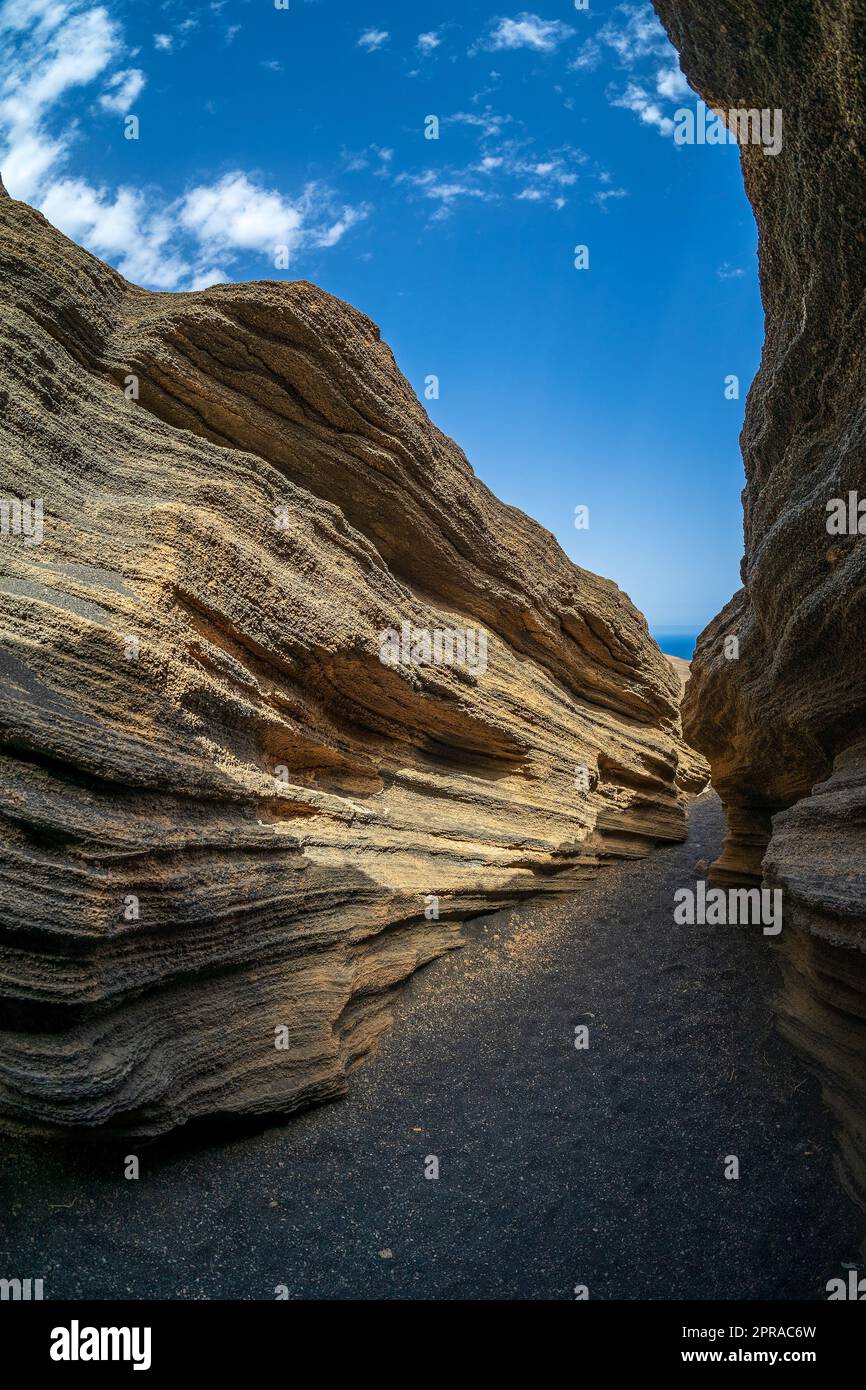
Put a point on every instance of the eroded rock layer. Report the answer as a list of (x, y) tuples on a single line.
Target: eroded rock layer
[(784, 724), (225, 821)]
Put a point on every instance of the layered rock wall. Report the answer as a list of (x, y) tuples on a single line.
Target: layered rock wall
[(784, 724), (225, 822)]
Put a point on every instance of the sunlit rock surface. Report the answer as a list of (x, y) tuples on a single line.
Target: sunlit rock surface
[(784, 725), (226, 822)]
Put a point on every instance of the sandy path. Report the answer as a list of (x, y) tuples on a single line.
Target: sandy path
[(558, 1167)]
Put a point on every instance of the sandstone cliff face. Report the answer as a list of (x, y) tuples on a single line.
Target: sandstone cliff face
[(222, 814), (784, 726)]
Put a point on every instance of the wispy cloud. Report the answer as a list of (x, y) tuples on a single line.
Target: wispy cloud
[(123, 227), (371, 39), (50, 51), (525, 31), (122, 90), (638, 41), (671, 84), (588, 57), (427, 43), (445, 190), (163, 241), (503, 169), (374, 157), (602, 196), (488, 122), (237, 214), (635, 98), (634, 34)]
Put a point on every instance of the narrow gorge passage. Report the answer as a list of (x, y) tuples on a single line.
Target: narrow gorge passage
[(558, 1167)]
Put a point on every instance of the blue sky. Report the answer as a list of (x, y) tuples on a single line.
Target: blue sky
[(304, 128)]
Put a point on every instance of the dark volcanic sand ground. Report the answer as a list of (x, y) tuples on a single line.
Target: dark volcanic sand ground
[(558, 1167)]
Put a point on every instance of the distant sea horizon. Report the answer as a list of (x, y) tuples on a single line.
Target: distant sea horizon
[(676, 641)]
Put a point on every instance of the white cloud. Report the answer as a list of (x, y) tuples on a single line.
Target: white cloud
[(489, 122), (526, 31), (122, 90), (192, 240), (507, 170), (76, 53), (163, 41), (730, 272), (55, 50), (554, 170), (637, 35), (636, 99), (203, 279), (22, 14), (52, 57), (329, 236), (638, 40), (236, 214), (447, 192), (671, 84), (26, 161), (122, 228), (603, 195), (588, 57), (546, 178), (356, 160), (371, 39), (427, 42), (444, 190)]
